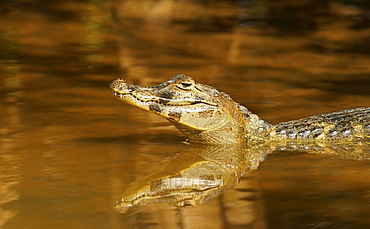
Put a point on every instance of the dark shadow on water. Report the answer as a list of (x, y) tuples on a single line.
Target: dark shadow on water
[(360, 46), (214, 24), (340, 86), (52, 9), (351, 85)]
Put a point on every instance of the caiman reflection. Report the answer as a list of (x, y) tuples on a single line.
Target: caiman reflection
[(201, 173), (193, 177)]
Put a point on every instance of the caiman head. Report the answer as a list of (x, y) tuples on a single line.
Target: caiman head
[(201, 112)]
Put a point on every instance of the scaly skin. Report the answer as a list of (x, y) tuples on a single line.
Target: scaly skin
[(205, 114), (351, 124)]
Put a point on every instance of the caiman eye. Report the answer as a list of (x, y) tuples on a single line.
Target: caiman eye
[(185, 85)]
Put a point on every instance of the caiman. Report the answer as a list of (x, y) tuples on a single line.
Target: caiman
[(207, 115)]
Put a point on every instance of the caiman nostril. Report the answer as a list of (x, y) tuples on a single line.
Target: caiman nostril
[(120, 86)]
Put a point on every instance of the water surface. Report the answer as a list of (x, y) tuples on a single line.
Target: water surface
[(69, 148)]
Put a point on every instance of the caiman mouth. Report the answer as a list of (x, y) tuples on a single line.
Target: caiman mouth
[(162, 101), (128, 92)]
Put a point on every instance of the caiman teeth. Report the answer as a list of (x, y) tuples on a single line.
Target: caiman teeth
[(182, 102), (203, 102), (120, 94), (120, 91)]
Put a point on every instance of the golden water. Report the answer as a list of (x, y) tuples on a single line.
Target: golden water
[(68, 148)]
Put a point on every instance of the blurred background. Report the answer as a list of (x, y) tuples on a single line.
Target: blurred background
[(68, 147)]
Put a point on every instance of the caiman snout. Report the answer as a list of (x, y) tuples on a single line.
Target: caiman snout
[(120, 86)]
